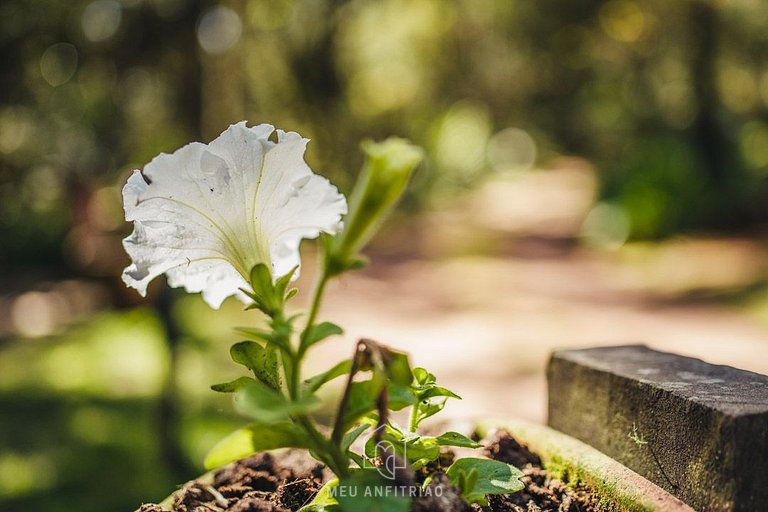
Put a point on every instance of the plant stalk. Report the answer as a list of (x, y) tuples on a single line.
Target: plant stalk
[(413, 418)]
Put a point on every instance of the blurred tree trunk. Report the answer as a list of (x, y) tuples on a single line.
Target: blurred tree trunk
[(706, 130), (725, 183), (169, 416)]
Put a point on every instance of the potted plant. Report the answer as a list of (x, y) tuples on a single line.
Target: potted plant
[(227, 218)]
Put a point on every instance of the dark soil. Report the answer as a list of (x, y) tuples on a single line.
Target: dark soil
[(287, 481)]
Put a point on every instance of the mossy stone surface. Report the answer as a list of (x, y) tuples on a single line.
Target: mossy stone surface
[(698, 430)]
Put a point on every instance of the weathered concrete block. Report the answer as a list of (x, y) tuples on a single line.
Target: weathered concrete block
[(698, 430)]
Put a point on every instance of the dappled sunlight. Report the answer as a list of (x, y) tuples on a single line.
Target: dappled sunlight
[(113, 355)]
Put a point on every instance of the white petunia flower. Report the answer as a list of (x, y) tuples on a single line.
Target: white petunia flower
[(208, 213)]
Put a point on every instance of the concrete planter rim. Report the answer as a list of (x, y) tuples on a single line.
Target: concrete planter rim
[(620, 488)]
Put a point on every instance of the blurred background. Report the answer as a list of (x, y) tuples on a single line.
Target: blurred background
[(597, 173)]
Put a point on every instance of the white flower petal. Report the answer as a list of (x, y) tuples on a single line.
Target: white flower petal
[(206, 214)]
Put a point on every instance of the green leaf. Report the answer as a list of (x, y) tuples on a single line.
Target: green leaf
[(351, 436), (261, 360), (391, 436), (420, 451), (417, 450), (265, 404), (493, 477), (423, 377), (365, 490), (398, 368), (314, 383), (264, 294), (319, 332), (363, 399), (324, 500), (232, 386), (400, 397), (253, 438), (270, 337), (255, 334), (430, 407), (357, 459), (281, 285), (456, 439), (269, 372), (438, 391)]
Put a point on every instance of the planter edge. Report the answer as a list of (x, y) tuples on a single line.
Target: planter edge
[(583, 464)]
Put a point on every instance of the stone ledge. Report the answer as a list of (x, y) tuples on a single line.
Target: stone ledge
[(698, 430)]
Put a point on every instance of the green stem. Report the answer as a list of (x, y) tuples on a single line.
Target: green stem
[(328, 452), (317, 295), (413, 419), (314, 308)]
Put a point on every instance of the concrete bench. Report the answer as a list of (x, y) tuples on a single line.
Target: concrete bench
[(698, 430)]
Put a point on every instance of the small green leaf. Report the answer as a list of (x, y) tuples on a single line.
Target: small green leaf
[(314, 383), (254, 438), (324, 500), (417, 450), (262, 361), (357, 459), (391, 437), (281, 285), (400, 397), (422, 376), (264, 293), (420, 451), (319, 332), (255, 334), (365, 490), (398, 368), (363, 399), (430, 407), (438, 391), (456, 439), (247, 353), (265, 404), (266, 336), (232, 386), (493, 477), (269, 371), (351, 436)]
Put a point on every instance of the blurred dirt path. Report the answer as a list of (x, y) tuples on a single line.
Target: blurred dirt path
[(481, 300)]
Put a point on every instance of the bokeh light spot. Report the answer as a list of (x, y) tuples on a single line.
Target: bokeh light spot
[(511, 150), (23, 474), (622, 20), (58, 63), (606, 226), (101, 19), (219, 30), (461, 141), (35, 314), (753, 141), (15, 128), (738, 87)]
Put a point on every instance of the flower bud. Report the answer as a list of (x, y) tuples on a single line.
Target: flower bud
[(385, 174)]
